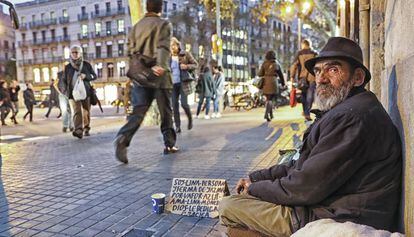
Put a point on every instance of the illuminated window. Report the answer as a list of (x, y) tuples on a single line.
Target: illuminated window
[(98, 28), (65, 13), (36, 73), (84, 30), (121, 68), (46, 75), (121, 25), (110, 70), (98, 69), (55, 72), (66, 52)]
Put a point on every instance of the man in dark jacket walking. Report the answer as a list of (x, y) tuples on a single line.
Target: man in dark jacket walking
[(29, 101), (306, 81), (350, 164), (151, 37), (53, 100)]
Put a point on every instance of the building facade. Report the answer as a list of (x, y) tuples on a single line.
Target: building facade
[(7, 45), (48, 28)]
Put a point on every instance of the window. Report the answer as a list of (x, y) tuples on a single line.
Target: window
[(44, 53), (23, 37), (165, 3), (66, 52), (6, 44), (54, 52), (33, 18), (174, 7), (6, 56), (65, 13), (22, 20), (85, 51), (121, 48), (96, 9), (98, 28), (121, 68), (98, 69), (42, 16), (53, 34), (110, 70), (36, 74), (108, 6), (83, 10), (52, 15), (65, 32), (121, 26), (43, 35), (55, 71), (109, 49), (84, 30), (34, 37), (98, 50), (108, 28), (46, 75), (119, 5)]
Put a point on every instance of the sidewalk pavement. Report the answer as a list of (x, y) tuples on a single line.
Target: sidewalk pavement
[(67, 187)]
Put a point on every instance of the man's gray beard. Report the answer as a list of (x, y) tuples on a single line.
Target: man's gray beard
[(327, 102)]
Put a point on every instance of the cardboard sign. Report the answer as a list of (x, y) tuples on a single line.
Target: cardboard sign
[(197, 197)]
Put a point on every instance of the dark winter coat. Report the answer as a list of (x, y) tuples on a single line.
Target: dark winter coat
[(14, 93), (349, 168), (29, 98), (207, 85), (5, 97), (68, 76), (270, 71), (188, 59)]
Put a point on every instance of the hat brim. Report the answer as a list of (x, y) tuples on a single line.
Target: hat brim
[(310, 64)]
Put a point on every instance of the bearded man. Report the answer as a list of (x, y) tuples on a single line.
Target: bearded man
[(349, 168)]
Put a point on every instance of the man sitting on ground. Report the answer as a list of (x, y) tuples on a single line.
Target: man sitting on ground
[(350, 164)]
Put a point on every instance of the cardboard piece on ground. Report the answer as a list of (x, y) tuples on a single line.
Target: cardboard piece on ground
[(196, 197)]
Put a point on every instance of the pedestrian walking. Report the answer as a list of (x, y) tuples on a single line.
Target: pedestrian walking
[(306, 81), (79, 69), (120, 96), (14, 96), (64, 104), (53, 100), (206, 90), (183, 65), (5, 103), (219, 87), (150, 37), (29, 101), (271, 73)]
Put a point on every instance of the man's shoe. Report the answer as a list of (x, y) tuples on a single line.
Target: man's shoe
[(64, 129), (78, 135), (121, 149), (178, 130), (86, 134), (170, 150), (308, 118)]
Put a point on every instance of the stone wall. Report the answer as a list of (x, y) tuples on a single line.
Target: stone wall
[(397, 91)]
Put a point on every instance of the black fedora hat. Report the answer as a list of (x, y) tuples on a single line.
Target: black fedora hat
[(341, 48)]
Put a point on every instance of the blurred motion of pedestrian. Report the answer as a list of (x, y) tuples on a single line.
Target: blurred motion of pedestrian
[(79, 69), (29, 101), (183, 65), (120, 96), (270, 71), (14, 96), (206, 90), (219, 87), (5, 103), (306, 81), (53, 100), (64, 105)]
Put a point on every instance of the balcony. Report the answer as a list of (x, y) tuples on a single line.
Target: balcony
[(23, 43), (51, 40), (36, 61), (41, 23), (84, 36), (23, 26), (65, 38), (111, 12), (108, 33), (83, 17), (64, 20)]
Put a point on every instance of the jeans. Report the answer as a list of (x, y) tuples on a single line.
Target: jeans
[(66, 111), (52, 103), (29, 112), (200, 104), (217, 102), (141, 100), (307, 98), (176, 95), (15, 106), (81, 115)]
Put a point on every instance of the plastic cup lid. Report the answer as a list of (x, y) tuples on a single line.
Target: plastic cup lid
[(158, 195)]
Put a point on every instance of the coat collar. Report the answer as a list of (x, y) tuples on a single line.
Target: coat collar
[(151, 14)]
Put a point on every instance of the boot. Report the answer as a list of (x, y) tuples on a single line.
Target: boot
[(121, 149)]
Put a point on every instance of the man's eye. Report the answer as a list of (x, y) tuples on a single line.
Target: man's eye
[(333, 70)]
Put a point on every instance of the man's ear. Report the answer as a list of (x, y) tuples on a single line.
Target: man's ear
[(359, 77)]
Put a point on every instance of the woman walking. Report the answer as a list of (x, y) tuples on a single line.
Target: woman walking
[(270, 71), (206, 90), (29, 101), (183, 65), (79, 69), (219, 86)]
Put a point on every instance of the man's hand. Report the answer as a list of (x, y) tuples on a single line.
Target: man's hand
[(184, 67), (158, 71), (82, 76), (243, 185)]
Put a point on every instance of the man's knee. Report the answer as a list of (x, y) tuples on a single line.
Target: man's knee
[(227, 205)]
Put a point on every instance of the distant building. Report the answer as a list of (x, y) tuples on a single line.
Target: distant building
[(7, 43)]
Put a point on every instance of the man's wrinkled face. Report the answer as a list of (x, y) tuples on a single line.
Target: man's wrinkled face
[(334, 80)]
